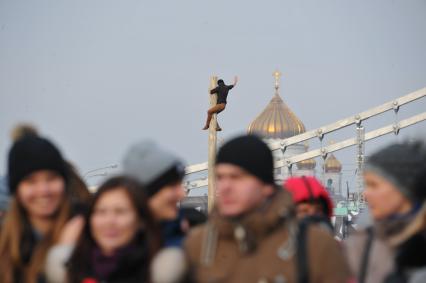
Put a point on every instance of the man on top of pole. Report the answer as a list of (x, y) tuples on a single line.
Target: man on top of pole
[(222, 93)]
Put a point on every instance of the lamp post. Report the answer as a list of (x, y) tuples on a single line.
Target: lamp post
[(112, 166), (96, 175)]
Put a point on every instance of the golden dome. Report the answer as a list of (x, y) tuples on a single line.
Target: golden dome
[(332, 165), (276, 121), (308, 164)]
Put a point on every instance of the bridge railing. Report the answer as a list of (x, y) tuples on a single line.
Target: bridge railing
[(320, 132)]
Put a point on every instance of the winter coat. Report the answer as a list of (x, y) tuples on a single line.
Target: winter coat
[(130, 268), (380, 259), (261, 247), (397, 251)]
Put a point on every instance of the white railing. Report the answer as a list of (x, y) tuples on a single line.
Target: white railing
[(340, 124)]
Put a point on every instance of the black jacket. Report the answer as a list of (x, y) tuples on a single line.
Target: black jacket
[(132, 268), (222, 92), (410, 257)]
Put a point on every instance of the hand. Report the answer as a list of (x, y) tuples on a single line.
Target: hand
[(235, 80), (71, 231)]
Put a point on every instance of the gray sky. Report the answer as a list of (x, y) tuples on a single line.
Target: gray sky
[(96, 76)]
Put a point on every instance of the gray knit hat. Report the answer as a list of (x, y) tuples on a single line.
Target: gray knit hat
[(153, 166), (404, 165)]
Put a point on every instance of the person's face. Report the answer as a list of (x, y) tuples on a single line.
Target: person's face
[(237, 191), (164, 203), (41, 193), (305, 209), (114, 221), (383, 198)]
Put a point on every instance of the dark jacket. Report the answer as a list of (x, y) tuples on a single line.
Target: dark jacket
[(129, 265), (222, 92), (410, 254), (172, 232)]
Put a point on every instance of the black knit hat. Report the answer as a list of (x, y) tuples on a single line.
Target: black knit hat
[(30, 154), (404, 165), (251, 154)]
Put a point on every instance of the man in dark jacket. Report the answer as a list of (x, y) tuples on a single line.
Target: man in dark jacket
[(222, 94), (251, 234)]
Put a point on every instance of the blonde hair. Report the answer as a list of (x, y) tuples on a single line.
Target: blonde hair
[(12, 231)]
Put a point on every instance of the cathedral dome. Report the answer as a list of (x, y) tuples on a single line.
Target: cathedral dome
[(276, 121), (308, 164), (332, 165)]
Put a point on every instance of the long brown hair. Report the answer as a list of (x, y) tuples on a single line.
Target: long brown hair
[(147, 239), (16, 231)]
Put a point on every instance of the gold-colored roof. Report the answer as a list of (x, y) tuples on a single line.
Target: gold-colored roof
[(308, 164), (276, 121), (332, 164)]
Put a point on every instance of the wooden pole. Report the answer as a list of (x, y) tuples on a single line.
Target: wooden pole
[(212, 148)]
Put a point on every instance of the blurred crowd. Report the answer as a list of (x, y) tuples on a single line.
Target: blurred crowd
[(133, 229)]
